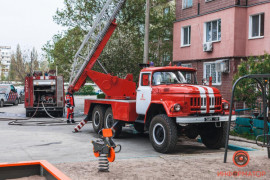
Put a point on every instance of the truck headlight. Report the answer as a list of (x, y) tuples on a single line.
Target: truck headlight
[(225, 106), (177, 107)]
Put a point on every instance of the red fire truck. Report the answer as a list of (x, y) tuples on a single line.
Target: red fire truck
[(167, 103), (44, 92)]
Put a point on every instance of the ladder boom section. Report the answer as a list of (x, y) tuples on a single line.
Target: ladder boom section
[(94, 41), (82, 78)]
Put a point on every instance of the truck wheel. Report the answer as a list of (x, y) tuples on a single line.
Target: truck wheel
[(139, 127), (60, 114), (1, 103), (163, 133), (213, 137), (97, 118), (109, 121), (27, 113)]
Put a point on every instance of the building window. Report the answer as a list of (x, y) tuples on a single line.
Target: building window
[(186, 36), (210, 71), (166, 57), (213, 31), (256, 26), (187, 4)]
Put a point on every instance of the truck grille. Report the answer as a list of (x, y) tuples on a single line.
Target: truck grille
[(200, 103)]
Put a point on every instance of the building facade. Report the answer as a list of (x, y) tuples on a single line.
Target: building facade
[(5, 59), (214, 35)]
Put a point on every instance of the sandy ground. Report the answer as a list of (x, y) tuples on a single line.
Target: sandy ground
[(205, 166), (30, 178)]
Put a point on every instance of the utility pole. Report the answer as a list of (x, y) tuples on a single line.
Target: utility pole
[(146, 36)]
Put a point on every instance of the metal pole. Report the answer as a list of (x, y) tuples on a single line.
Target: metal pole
[(230, 120), (146, 36), (266, 129)]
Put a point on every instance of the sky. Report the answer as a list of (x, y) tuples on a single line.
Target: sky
[(28, 22)]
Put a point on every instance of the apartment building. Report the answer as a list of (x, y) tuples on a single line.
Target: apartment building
[(214, 35), (5, 59)]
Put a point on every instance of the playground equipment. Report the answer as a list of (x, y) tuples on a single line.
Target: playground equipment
[(104, 148), (262, 80)]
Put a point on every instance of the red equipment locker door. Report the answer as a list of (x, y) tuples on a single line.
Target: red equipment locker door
[(29, 94)]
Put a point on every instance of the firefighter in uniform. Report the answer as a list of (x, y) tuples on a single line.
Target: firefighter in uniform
[(70, 104)]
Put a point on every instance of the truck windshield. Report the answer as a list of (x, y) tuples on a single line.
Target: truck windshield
[(174, 77)]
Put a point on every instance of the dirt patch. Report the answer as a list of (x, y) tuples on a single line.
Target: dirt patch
[(30, 178), (170, 167)]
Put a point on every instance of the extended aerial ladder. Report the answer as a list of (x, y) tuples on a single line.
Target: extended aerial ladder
[(90, 50)]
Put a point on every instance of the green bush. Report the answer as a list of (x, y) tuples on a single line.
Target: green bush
[(86, 90), (101, 96)]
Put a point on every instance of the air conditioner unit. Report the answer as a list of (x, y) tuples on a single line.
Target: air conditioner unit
[(208, 47), (223, 66)]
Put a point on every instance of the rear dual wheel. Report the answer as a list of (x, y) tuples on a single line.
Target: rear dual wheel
[(98, 118), (109, 122), (103, 118)]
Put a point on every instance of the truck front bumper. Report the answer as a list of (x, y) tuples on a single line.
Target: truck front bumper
[(203, 119)]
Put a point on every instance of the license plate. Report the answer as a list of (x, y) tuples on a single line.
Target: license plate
[(209, 119)]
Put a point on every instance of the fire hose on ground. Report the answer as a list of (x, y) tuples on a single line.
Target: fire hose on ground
[(27, 122)]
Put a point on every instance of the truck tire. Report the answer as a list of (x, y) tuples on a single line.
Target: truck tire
[(109, 121), (139, 127), (28, 113), (60, 114), (1, 103), (163, 133), (98, 117), (213, 137)]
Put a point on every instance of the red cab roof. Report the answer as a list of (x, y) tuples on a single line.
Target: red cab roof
[(168, 68)]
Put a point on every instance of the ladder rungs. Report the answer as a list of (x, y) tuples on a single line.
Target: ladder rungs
[(99, 28)]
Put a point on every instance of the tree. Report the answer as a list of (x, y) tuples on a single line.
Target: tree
[(248, 90), (12, 68), (17, 66), (124, 51), (3, 78), (61, 50), (34, 64)]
